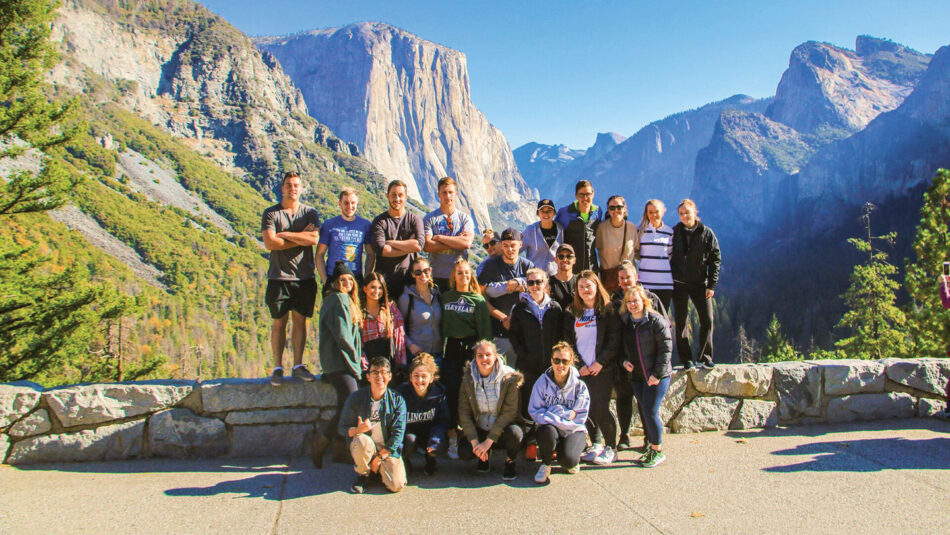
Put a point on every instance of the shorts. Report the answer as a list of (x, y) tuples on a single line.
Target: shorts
[(283, 296)]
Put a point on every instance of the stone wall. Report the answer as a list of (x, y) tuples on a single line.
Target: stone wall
[(249, 417)]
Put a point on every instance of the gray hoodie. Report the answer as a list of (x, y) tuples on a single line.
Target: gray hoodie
[(551, 404), (422, 324)]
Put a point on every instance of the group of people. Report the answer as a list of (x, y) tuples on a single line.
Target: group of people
[(521, 353)]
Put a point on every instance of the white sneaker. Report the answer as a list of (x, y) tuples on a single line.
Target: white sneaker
[(453, 452), (606, 457), (592, 452), (574, 469), (543, 472)]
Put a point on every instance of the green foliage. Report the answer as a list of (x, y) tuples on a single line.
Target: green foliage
[(930, 322), (27, 117), (775, 346), (876, 325)]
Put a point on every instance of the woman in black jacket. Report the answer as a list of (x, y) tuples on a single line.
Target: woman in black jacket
[(592, 327), (647, 349), (535, 329), (427, 412), (695, 263)]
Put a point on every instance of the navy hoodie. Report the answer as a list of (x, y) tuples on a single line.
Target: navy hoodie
[(428, 415)]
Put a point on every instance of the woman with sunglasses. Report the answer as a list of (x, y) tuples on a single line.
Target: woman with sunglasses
[(593, 330), (340, 348), (421, 309), (465, 320), (562, 283), (617, 240), (542, 238), (580, 220), (383, 332), (535, 328), (559, 404), (647, 351)]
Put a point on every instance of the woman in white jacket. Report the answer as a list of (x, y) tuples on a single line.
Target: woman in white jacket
[(559, 405)]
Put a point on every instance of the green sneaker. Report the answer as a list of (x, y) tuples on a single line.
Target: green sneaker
[(656, 457), (646, 455)]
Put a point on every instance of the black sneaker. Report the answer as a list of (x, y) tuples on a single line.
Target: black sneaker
[(708, 364), (301, 372), (624, 444), (360, 485), (277, 377), (431, 465), (318, 447), (511, 471), (688, 365), (483, 467)]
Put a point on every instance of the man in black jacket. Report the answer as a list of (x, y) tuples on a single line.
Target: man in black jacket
[(695, 263)]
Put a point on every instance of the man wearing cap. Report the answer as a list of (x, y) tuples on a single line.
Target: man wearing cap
[(449, 233), (541, 240), (562, 282), (504, 279), (289, 230)]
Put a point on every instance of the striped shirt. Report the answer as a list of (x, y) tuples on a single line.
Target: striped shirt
[(656, 245)]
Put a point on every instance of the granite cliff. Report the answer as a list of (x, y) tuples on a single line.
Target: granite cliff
[(406, 103)]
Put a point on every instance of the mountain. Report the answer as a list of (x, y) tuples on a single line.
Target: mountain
[(406, 103), (555, 169), (658, 161)]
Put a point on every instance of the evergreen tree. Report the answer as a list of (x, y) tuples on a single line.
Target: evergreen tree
[(875, 323), (929, 321), (745, 346), (47, 312), (776, 347)]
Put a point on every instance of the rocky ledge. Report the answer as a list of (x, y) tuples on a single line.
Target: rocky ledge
[(250, 418)]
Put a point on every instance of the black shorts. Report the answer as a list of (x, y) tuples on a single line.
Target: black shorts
[(283, 296)]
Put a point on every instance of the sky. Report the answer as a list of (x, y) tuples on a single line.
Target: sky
[(562, 71)]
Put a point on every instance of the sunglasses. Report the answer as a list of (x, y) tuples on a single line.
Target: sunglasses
[(561, 362), (418, 272), (615, 207), (492, 243), (565, 256), (537, 282)]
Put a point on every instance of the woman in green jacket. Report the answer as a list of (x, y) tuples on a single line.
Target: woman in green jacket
[(340, 349)]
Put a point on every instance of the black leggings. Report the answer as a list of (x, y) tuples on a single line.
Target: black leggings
[(569, 446), (413, 441), (457, 352), (343, 384), (682, 295), (510, 441), (624, 389), (601, 422)]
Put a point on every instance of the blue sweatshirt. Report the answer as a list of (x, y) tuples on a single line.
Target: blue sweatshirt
[(428, 415), (551, 404)]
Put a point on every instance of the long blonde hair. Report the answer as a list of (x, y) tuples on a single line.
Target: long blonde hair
[(638, 290), (356, 311), (601, 299), (658, 204), (473, 286)]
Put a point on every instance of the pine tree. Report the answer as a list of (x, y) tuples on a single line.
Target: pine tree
[(929, 322), (776, 347), (745, 346), (875, 323), (47, 313)]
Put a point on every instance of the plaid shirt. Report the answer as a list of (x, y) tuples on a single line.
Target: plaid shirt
[(374, 329)]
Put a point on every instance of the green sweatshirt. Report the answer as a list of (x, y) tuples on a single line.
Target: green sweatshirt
[(340, 345), (465, 315)]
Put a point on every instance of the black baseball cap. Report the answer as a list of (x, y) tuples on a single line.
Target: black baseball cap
[(546, 202), (510, 234)]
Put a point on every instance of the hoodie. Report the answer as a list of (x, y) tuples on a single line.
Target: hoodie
[(552, 405), (506, 410), (428, 415)]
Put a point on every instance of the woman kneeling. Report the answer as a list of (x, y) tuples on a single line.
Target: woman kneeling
[(559, 405), (488, 410), (427, 412)]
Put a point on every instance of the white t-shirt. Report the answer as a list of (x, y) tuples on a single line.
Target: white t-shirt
[(585, 332), (377, 431)]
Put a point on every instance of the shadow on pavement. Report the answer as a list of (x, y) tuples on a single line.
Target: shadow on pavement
[(154, 465), (817, 430), (869, 455)]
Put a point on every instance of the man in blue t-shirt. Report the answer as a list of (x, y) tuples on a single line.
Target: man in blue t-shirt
[(449, 234), (504, 279), (341, 239)]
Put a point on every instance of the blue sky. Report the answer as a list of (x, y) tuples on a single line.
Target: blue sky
[(561, 71)]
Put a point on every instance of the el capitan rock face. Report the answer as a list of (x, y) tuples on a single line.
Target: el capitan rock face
[(406, 102)]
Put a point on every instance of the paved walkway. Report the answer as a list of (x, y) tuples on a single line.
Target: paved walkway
[(891, 476)]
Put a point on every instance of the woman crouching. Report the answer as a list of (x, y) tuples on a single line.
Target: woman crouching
[(488, 410), (559, 405), (427, 412), (647, 346)]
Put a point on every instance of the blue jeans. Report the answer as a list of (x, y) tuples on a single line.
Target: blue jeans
[(650, 398)]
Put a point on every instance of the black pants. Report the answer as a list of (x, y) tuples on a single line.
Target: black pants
[(526, 388), (413, 441), (510, 441), (457, 352), (443, 284), (569, 446), (666, 297), (682, 294), (624, 389), (343, 384), (601, 423)]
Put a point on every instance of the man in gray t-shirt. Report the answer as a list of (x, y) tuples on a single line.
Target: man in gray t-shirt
[(449, 234), (396, 237), (290, 230)]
